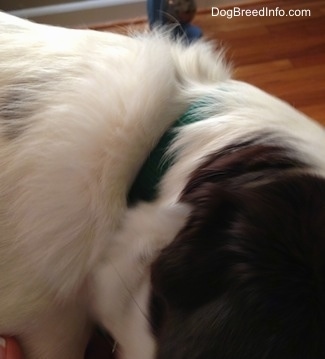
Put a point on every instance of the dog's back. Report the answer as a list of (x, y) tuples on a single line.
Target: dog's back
[(79, 112), (230, 232)]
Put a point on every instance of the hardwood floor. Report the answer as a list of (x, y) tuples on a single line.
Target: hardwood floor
[(282, 55)]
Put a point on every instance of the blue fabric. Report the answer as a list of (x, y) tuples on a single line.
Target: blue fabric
[(156, 10)]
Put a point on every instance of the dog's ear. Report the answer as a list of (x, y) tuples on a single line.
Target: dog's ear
[(246, 274), (191, 260), (233, 236)]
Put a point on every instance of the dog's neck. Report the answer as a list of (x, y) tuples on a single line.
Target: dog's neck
[(145, 185), (122, 279)]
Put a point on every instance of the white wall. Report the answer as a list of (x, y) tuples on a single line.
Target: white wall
[(92, 12)]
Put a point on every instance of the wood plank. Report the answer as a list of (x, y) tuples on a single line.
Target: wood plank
[(261, 69)]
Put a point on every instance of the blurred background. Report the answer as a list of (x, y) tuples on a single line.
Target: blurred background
[(89, 12)]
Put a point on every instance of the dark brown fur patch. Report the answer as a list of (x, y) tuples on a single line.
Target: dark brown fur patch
[(245, 277), (241, 164)]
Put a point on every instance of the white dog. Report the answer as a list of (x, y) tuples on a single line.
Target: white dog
[(224, 260)]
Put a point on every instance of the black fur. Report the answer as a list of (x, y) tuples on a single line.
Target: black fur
[(244, 279), (17, 105)]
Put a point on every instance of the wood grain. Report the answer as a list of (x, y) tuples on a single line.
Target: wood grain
[(283, 55)]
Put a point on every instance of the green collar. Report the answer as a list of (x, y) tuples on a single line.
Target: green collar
[(145, 185)]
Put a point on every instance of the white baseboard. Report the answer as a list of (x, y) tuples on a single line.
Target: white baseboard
[(91, 12), (85, 13)]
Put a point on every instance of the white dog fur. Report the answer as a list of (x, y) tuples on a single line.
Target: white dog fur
[(80, 111)]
